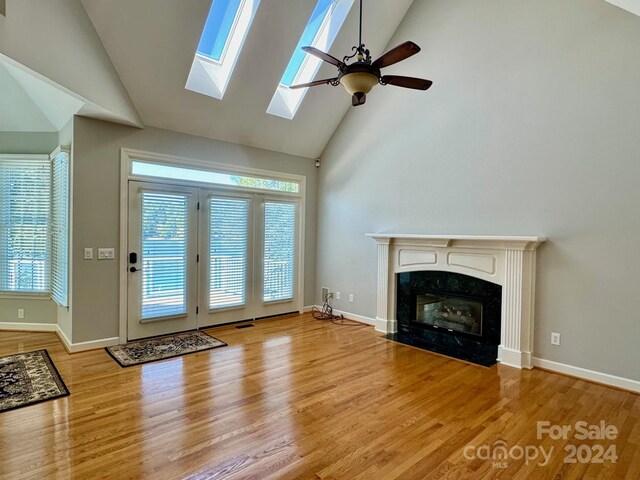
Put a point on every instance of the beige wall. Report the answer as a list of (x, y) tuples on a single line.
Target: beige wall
[(35, 310), (532, 127), (96, 159), (28, 142)]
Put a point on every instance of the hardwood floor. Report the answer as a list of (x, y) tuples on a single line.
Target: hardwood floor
[(297, 398)]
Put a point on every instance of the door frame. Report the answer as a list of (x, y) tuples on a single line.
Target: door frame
[(127, 156)]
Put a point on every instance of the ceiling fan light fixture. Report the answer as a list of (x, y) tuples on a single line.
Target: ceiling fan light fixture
[(359, 82), (359, 78)]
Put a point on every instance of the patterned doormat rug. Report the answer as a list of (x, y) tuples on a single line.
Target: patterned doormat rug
[(28, 378), (159, 348)]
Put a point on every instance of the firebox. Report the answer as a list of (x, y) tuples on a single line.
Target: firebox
[(449, 313)]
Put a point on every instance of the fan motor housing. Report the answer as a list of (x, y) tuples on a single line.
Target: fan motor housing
[(360, 77)]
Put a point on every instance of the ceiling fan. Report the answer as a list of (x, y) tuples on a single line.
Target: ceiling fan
[(359, 77)]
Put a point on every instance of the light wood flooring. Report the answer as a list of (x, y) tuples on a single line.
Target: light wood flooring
[(297, 398)]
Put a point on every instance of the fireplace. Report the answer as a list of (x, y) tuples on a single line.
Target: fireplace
[(449, 313), (507, 262)]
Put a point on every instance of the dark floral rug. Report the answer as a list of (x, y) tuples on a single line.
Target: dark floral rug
[(159, 348), (28, 378)]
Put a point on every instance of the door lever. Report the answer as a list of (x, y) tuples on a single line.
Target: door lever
[(134, 269)]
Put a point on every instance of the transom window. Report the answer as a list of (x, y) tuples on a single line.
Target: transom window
[(146, 169)]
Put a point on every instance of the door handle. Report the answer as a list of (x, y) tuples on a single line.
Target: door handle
[(134, 269)]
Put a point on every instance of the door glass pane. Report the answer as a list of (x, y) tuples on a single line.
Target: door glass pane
[(279, 250), (164, 254), (228, 252)]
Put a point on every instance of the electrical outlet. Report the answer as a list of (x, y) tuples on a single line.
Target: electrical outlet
[(324, 293), (88, 253), (351, 298), (555, 338), (21, 313), (337, 295)]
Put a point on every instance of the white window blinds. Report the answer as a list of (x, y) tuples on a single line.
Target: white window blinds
[(279, 250), (60, 227), (25, 200), (165, 223), (228, 252)]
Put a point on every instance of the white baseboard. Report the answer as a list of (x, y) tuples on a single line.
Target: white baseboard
[(355, 317), (53, 327), (599, 377), (385, 326), (347, 315), (64, 339), (307, 309), (83, 346), (514, 358), (29, 327)]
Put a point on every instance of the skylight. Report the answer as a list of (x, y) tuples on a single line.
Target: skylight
[(216, 31), (317, 22), (223, 36), (321, 30)]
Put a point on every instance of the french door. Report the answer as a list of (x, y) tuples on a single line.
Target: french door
[(203, 257), (163, 244)]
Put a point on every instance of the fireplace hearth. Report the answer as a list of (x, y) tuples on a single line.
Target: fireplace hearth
[(449, 313)]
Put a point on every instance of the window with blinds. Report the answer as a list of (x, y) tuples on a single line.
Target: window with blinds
[(25, 205), (60, 227), (165, 223), (279, 250), (228, 252)]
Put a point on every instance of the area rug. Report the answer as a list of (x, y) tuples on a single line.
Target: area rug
[(28, 378), (160, 348)]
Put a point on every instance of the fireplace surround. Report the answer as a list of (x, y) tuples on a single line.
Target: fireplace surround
[(505, 261), (449, 313)]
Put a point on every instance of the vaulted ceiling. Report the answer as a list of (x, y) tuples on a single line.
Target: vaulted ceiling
[(32, 105), (152, 43)]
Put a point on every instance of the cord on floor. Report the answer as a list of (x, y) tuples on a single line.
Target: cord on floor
[(326, 313)]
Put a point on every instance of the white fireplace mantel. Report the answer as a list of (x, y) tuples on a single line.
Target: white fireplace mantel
[(506, 261)]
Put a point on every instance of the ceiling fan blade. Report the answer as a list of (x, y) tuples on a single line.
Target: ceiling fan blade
[(326, 81), (324, 56), (406, 82), (397, 54)]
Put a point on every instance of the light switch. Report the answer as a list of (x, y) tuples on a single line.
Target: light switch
[(88, 253), (106, 253)]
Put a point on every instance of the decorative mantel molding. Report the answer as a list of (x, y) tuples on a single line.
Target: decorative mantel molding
[(490, 242), (507, 261)]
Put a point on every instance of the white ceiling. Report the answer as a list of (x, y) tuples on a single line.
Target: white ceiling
[(632, 6), (152, 43), (28, 104)]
